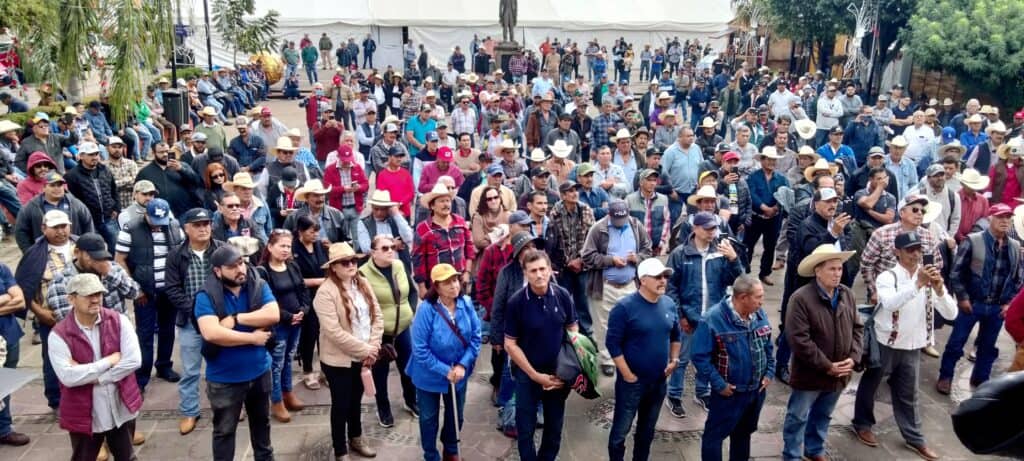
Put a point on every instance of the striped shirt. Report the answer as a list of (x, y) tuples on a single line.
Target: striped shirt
[(160, 249)]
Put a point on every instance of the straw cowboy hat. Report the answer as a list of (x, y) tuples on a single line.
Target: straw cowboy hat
[(972, 179), (708, 122), (313, 186), (285, 143), (1013, 148), (382, 199), (898, 141), (666, 114), (819, 165), (932, 210), (809, 152), (438, 190), (623, 133), (826, 252), (976, 118), (560, 148), (8, 126), (768, 152), (294, 133), (664, 95), (985, 109), (242, 179), (472, 78), (997, 126), (805, 128), (208, 111), (340, 252), (702, 193), (246, 245), (953, 145), (508, 144)]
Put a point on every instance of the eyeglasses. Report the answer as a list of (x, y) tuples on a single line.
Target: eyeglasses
[(347, 262), (216, 176), (493, 197), (232, 206), (917, 210), (386, 248)]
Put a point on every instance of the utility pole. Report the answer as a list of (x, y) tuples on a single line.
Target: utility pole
[(209, 47)]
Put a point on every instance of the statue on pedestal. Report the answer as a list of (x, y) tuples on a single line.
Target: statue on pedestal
[(508, 11)]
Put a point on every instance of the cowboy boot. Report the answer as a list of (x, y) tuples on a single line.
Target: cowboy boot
[(279, 412), (292, 403), (360, 446)]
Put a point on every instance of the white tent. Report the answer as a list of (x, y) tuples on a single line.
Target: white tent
[(441, 24)]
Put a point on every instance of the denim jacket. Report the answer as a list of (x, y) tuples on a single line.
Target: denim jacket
[(689, 284), (726, 351), (436, 348)]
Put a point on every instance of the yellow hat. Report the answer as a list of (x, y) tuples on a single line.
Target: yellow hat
[(442, 272)]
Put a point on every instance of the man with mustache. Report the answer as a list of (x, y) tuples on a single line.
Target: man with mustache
[(444, 238), (175, 181)]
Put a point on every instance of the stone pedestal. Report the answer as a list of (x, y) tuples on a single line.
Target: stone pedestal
[(502, 52)]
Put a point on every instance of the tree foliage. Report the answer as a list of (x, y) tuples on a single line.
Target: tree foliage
[(979, 41), (812, 21), (233, 20)]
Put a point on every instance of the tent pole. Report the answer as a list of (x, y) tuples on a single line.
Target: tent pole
[(209, 46)]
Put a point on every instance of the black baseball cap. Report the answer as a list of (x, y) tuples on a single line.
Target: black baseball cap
[(224, 256), (196, 215), (93, 245), (906, 240)]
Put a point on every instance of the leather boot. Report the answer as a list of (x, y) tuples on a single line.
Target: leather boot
[(292, 403), (279, 412), (361, 447), (104, 453)]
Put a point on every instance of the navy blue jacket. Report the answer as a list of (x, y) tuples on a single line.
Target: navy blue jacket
[(761, 191), (726, 351), (862, 137), (686, 287)]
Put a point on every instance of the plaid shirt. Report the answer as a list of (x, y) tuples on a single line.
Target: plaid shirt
[(464, 121), (517, 65), (117, 282), (347, 198), (433, 245), (1000, 272), (124, 176), (599, 129), (198, 269), (879, 253), (570, 231), (495, 256)]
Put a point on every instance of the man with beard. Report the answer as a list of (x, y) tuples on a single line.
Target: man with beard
[(174, 180), (124, 171), (28, 227), (234, 310)]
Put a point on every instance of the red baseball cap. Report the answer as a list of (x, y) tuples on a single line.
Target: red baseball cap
[(444, 154), (1019, 114), (265, 111), (730, 156), (1000, 209), (345, 153)]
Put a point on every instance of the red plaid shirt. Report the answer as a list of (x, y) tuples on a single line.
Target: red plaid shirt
[(434, 245), (495, 256)]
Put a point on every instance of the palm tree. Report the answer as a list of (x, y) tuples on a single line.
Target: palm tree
[(249, 36)]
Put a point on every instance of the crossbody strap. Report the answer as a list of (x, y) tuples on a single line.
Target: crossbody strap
[(451, 324)]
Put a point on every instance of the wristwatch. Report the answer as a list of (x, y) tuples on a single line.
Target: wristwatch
[(235, 318)]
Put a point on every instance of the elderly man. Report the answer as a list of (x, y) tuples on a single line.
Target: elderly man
[(56, 146), (94, 354), (767, 217), (214, 131), (738, 329), (651, 208), (333, 225), (248, 149), (878, 255), (253, 208), (384, 219), (444, 238), (444, 166), (902, 168), (680, 165), (908, 295), (824, 331)]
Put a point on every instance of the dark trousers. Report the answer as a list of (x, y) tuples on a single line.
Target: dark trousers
[(13, 354), (51, 386), (902, 367), (226, 401), (989, 321), (382, 368), (154, 317), (308, 340), (529, 396), (576, 283), (734, 417), (498, 360), (430, 416), (85, 447), (640, 400), (346, 393), (769, 228)]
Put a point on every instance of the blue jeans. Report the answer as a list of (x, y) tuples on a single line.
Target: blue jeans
[(282, 358), (155, 317), (734, 417), (529, 396), (640, 400), (987, 316), (311, 73), (430, 410), (131, 139), (507, 387), (9, 198), (13, 354), (576, 283), (108, 229), (190, 346), (51, 386), (677, 382), (806, 427), (289, 70)]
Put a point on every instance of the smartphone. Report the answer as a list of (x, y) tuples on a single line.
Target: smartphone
[(929, 260)]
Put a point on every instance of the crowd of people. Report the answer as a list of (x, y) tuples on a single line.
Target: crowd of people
[(427, 216)]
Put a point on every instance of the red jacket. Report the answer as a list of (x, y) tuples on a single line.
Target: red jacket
[(312, 105), (327, 139), (1015, 318), (332, 177)]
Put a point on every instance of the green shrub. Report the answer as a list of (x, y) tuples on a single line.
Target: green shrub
[(184, 73), (22, 118)]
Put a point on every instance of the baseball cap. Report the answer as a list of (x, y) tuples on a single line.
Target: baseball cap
[(196, 215), (85, 284), (521, 239), (54, 177), (265, 111), (565, 186), (835, 130), (652, 267), (93, 245), (906, 240), (159, 212), (390, 127), (519, 217), (290, 176), (648, 172), (345, 153), (876, 151), (618, 209), (730, 156), (539, 171), (444, 154), (432, 136), (915, 198), (700, 178), (1000, 209), (722, 147), (706, 220), (494, 169), (935, 169), (584, 169), (198, 137), (826, 194), (144, 186), (54, 218), (183, 128), (225, 255), (114, 140)]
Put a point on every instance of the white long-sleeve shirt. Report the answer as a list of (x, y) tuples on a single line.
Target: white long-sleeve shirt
[(829, 112), (902, 320), (108, 411)]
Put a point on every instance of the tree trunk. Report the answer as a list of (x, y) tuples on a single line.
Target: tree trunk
[(74, 88)]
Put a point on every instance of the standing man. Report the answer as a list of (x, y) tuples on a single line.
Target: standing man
[(94, 355), (571, 219), (643, 340), (536, 319), (909, 295), (92, 183), (651, 208), (175, 181), (234, 311), (680, 165), (325, 46), (124, 171), (985, 277), (369, 47), (732, 349), (824, 332), (767, 218), (444, 238)]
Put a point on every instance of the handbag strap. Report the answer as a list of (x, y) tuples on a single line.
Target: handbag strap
[(451, 324), (398, 308)]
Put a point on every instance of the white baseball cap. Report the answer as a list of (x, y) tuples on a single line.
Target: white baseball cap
[(652, 267), (54, 218)]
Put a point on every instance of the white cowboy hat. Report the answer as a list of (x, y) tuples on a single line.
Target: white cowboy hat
[(538, 155), (242, 179), (665, 114), (954, 145), (703, 192), (820, 165), (971, 178), (285, 143), (932, 210), (208, 111), (708, 122), (294, 133), (809, 151), (899, 141), (664, 95), (472, 78), (500, 232), (7, 126), (381, 198), (997, 126), (313, 186), (826, 252), (976, 118), (623, 133), (508, 144), (1018, 219), (438, 190), (805, 128), (560, 148), (246, 245), (768, 152)]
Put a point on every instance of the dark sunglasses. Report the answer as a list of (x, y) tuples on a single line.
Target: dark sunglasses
[(347, 262), (916, 210), (232, 206), (493, 197), (217, 176), (386, 248)]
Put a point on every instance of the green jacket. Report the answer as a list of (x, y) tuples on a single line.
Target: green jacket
[(310, 55), (386, 297), (215, 136)]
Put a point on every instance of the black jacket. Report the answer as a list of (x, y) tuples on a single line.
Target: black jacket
[(29, 225), (179, 188), (178, 260), (96, 189)]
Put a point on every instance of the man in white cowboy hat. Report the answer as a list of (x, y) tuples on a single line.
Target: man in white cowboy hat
[(824, 331), (902, 169), (334, 227), (625, 156), (443, 238), (563, 132), (982, 157), (974, 134), (214, 131), (284, 157), (708, 137), (252, 207), (510, 162), (878, 256), (384, 219), (973, 203), (805, 157), (667, 129), (767, 217)]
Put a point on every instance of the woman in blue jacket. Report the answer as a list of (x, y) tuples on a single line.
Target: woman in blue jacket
[(445, 343)]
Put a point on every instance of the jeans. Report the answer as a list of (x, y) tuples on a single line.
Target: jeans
[(506, 385), (311, 73), (734, 417), (86, 447), (987, 316), (289, 70), (640, 400), (806, 427), (108, 229), (382, 368), (367, 58), (769, 228), (154, 317), (346, 392), (9, 198), (430, 409), (677, 381), (576, 283), (190, 345), (308, 340), (13, 354), (528, 396), (282, 358), (51, 386), (903, 368), (154, 131), (645, 70), (226, 400)]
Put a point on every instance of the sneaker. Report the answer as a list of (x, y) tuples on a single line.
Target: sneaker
[(412, 409), (675, 406), (702, 401), (385, 420), (35, 339), (972, 356)]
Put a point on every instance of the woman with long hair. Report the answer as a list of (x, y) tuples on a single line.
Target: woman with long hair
[(396, 292), (445, 343), (351, 326), (1007, 174), (213, 178), (309, 254), (285, 280), (489, 213)]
